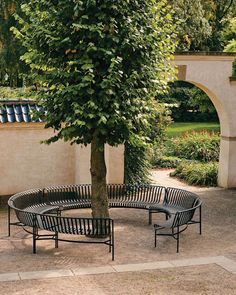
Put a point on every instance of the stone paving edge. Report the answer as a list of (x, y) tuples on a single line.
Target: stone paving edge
[(226, 263)]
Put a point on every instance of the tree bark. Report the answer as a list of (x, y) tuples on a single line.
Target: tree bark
[(99, 200)]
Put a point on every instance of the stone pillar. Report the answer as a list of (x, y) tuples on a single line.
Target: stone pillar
[(227, 162)]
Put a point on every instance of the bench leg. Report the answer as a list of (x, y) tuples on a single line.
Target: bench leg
[(113, 242), (34, 239), (155, 238), (150, 217), (178, 240), (56, 239), (110, 244), (9, 221), (113, 252), (200, 220)]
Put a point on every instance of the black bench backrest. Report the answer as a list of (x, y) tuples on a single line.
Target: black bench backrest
[(27, 199), (180, 198), (135, 193), (75, 225), (183, 217), (26, 218), (72, 193)]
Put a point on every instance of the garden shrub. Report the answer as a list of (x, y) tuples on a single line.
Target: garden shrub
[(166, 162), (201, 146), (139, 154), (197, 173)]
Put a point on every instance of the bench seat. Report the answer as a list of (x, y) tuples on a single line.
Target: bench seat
[(41, 209), (127, 204), (166, 208), (72, 205)]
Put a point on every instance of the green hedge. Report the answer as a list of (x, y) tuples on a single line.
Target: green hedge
[(200, 146), (197, 173)]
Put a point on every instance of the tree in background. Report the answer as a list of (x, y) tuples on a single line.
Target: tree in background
[(100, 63), (189, 103), (202, 22), (203, 25), (10, 49), (194, 29), (229, 36), (219, 13)]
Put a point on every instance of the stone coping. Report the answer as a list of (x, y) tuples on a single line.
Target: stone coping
[(206, 53), (222, 261), (17, 101)]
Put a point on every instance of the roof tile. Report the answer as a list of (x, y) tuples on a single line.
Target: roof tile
[(17, 111)]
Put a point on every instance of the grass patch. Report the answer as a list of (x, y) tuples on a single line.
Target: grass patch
[(178, 129)]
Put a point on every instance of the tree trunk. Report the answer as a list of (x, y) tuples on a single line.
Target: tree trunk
[(99, 200)]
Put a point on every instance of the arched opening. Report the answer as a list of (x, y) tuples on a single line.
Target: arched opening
[(193, 144), (211, 72), (189, 102)]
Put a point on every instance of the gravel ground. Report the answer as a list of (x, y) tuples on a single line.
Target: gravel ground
[(134, 244)]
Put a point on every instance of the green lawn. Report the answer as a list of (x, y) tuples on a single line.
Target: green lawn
[(176, 129)]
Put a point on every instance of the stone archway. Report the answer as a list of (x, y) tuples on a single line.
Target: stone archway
[(211, 72)]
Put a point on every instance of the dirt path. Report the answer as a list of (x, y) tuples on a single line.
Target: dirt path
[(161, 177)]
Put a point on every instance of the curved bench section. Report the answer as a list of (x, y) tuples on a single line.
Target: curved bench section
[(40, 209)]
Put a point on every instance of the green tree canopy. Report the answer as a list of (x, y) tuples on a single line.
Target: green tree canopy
[(194, 28), (229, 36), (100, 64), (219, 14), (202, 23), (10, 49)]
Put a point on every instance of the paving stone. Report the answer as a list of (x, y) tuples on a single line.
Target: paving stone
[(93, 270), (228, 264), (14, 276), (46, 274), (142, 266), (197, 261)]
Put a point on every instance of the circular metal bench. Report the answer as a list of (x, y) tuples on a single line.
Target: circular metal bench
[(40, 209)]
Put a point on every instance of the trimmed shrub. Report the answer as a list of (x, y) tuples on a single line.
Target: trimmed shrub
[(166, 162), (197, 173), (200, 146)]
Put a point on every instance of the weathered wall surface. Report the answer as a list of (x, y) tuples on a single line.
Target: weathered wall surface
[(25, 163), (114, 157)]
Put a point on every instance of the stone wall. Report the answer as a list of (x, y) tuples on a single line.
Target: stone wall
[(25, 163)]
